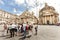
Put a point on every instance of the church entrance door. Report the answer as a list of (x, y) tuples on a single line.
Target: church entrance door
[(47, 21)]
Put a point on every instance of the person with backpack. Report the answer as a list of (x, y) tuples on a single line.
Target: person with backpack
[(30, 30), (27, 29), (22, 28)]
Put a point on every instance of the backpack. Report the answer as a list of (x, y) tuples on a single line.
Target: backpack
[(26, 27)]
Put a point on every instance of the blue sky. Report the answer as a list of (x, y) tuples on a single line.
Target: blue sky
[(10, 5), (18, 6), (14, 6)]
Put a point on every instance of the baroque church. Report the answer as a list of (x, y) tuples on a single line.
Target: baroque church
[(48, 15), (29, 17)]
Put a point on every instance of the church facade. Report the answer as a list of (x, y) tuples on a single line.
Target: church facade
[(48, 15), (26, 16)]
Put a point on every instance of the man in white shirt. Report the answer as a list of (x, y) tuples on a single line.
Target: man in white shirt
[(24, 28), (13, 29)]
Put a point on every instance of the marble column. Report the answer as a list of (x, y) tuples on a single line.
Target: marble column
[(45, 20), (53, 20), (50, 19), (57, 18)]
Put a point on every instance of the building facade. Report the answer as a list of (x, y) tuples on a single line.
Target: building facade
[(48, 15), (26, 16), (6, 17)]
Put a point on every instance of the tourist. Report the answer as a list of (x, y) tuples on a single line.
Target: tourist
[(5, 29), (36, 28), (24, 28), (8, 25), (30, 29), (27, 28), (15, 29), (18, 29), (12, 30)]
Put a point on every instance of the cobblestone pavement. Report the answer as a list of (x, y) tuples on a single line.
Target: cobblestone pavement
[(45, 32)]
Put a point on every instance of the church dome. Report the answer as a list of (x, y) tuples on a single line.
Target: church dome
[(47, 7)]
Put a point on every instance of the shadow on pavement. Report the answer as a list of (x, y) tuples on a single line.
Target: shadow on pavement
[(23, 38)]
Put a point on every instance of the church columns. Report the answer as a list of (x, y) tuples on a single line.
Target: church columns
[(41, 20), (50, 19), (57, 19), (53, 20), (45, 20)]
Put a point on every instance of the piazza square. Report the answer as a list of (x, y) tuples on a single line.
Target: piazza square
[(29, 20)]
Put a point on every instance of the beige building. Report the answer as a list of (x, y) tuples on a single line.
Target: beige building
[(26, 16), (6, 17), (48, 15)]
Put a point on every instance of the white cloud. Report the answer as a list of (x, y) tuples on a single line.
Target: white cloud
[(15, 10), (30, 2), (1, 2), (36, 10), (19, 2), (19, 13)]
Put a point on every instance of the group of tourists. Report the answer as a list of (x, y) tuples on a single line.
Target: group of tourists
[(16, 29)]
